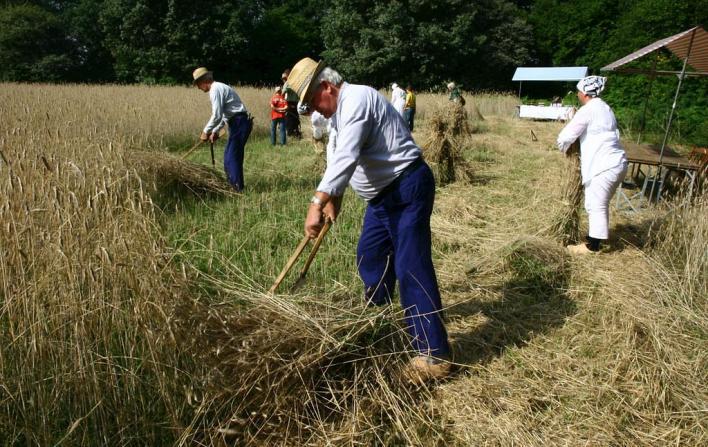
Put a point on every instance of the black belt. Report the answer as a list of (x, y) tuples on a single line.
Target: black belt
[(236, 115), (408, 170)]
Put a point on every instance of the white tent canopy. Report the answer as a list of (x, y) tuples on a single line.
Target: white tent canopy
[(550, 73)]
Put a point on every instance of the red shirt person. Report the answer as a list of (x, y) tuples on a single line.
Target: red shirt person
[(278, 106)]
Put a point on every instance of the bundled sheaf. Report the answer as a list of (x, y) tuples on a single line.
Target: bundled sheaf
[(566, 223), (168, 171), (449, 134)]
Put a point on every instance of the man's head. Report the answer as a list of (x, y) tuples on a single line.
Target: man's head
[(203, 78), (284, 76), (316, 85), (409, 87), (450, 85)]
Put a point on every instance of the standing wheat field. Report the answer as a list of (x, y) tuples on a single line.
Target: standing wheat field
[(134, 305)]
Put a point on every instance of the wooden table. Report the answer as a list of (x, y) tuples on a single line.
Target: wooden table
[(649, 156)]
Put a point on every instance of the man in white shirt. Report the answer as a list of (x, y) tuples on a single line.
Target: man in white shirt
[(603, 163), (320, 130), (375, 154), (398, 98), (226, 109)]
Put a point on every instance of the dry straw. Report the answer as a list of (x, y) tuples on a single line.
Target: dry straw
[(296, 371), (449, 133), (566, 223), (169, 171)]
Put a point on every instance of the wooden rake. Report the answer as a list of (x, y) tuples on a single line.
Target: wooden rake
[(222, 132), (298, 251), (192, 149)]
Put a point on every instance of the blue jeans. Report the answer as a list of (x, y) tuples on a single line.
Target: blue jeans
[(395, 244), (409, 117), (273, 125), (239, 131)]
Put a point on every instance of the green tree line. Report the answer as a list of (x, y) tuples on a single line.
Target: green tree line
[(476, 43)]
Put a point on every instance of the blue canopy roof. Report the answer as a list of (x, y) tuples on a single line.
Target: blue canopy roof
[(550, 73)]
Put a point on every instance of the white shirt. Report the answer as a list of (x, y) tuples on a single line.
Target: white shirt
[(225, 103), (398, 99), (600, 147), (370, 144), (320, 125)]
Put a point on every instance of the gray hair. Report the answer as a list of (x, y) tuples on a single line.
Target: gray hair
[(329, 75)]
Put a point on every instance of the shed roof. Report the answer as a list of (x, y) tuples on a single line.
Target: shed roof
[(550, 73), (678, 44)]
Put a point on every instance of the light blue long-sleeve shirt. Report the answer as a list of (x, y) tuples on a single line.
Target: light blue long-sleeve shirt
[(371, 146), (225, 103)]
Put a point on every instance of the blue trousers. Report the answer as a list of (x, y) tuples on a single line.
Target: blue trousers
[(409, 117), (395, 244), (239, 131), (273, 125)]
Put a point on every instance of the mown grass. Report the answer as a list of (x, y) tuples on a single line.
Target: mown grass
[(258, 231)]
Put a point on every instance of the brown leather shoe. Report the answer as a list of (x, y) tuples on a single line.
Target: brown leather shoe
[(423, 368), (579, 249)]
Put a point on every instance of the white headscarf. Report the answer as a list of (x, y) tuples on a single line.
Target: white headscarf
[(592, 85), (394, 86)]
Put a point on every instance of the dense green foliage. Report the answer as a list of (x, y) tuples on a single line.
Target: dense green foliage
[(599, 32), (424, 42), (33, 45), (477, 44)]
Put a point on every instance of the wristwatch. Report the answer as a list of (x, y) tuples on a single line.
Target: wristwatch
[(316, 200)]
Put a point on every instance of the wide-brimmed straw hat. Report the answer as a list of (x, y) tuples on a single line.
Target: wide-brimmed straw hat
[(303, 76), (199, 73)]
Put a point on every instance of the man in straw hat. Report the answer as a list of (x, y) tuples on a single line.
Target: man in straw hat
[(375, 154), (603, 163), (226, 109)]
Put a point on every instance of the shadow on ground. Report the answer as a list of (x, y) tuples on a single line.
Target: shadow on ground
[(531, 300), (633, 234)]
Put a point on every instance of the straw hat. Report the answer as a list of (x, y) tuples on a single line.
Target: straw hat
[(199, 73), (303, 76)]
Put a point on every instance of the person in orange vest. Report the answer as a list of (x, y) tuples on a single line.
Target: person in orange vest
[(278, 106)]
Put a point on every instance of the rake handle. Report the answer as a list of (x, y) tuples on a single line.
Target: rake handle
[(318, 242), (289, 264), (192, 149)]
